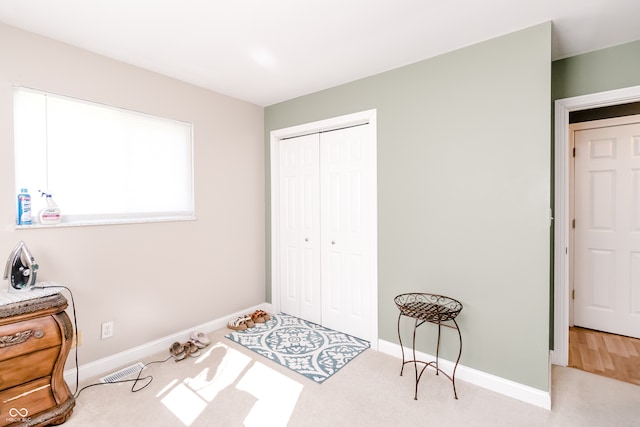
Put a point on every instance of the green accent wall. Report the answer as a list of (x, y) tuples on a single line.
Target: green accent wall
[(463, 194), (599, 71)]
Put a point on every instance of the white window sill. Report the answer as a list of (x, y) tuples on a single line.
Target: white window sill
[(96, 222)]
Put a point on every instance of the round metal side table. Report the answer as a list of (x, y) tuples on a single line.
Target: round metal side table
[(429, 308)]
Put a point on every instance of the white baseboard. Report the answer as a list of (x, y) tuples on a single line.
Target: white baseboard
[(116, 361), (500, 385)]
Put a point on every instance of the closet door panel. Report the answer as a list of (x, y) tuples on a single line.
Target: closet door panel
[(300, 227), (345, 208)]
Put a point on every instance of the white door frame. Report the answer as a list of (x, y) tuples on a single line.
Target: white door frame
[(560, 354), (363, 117)]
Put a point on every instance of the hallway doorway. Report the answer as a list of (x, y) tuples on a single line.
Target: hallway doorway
[(605, 234), (562, 223)]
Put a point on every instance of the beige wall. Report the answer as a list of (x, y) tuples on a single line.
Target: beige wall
[(152, 280)]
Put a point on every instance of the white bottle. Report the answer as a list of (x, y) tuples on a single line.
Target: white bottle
[(50, 214)]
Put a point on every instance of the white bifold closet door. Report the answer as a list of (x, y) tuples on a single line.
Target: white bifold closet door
[(326, 216), (299, 216)]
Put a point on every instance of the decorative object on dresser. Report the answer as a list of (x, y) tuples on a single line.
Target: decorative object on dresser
[(35, 338), (21, 269)]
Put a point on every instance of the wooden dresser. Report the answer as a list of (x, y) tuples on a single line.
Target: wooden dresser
[(35, 339)]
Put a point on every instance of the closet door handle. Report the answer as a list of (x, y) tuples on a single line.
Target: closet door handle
[(306, 239), (333, 242)]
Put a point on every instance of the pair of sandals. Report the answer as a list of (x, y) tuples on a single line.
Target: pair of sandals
[(190, 348), (249, 321)]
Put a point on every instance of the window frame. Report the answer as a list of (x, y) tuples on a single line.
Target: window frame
[(187, 176)]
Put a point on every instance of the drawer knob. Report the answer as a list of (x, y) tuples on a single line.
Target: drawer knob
[(38, 334)]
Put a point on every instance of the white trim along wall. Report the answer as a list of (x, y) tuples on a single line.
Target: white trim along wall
[(560, 354), (500, 385)]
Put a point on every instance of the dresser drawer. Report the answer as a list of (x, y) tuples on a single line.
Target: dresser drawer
[(28, 367), (20, 404), (28, 336)]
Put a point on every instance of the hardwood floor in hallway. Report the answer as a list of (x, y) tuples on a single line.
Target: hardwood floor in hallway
[(610, 355)]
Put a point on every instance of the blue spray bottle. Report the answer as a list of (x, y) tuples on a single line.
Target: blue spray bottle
[(24, 207)]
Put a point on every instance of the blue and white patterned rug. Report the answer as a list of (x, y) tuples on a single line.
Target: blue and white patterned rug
[(302, 346)]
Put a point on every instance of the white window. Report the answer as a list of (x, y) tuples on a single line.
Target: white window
[(101, 164)]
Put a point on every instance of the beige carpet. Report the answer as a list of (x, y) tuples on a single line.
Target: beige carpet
[(232, 386)]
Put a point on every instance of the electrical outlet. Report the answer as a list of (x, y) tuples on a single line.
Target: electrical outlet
[(77, 337), (107, 330)]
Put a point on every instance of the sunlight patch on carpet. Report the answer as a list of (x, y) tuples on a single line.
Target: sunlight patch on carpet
[(184, 404), (302, 346), (276, 396)]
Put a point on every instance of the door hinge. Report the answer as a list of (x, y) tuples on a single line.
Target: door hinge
[(573, 294), (573, 223), (574, 151)]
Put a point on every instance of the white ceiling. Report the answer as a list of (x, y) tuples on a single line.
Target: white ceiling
[(267, 51)]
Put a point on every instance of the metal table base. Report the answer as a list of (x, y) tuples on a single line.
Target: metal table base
[(434, 309)]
